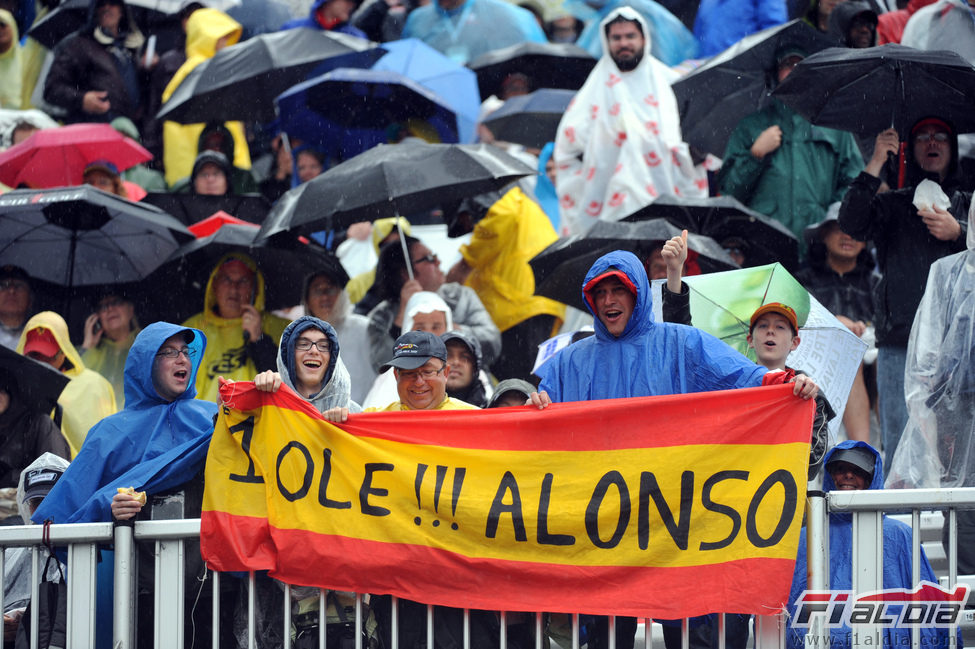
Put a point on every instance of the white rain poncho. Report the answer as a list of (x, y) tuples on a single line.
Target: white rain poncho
[(619, 144), (938, 445)]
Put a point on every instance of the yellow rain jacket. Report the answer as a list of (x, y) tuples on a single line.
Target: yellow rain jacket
[(204, 28), (11, 70), (226, 353), (88, 398), (108, 359), (514, 230), (361, 283)]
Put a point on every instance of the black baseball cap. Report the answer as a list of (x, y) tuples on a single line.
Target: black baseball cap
[(414, 348), (859, 457), (39, 482)]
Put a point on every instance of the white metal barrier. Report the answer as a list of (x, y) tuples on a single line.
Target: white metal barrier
[(169, 537)]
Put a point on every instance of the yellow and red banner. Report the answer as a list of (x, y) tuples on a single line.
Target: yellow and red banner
[(661, 506)]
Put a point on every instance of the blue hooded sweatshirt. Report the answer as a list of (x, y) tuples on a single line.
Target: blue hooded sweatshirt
[(648, 359), (311, 21), (152, 445), (897, 566), (336, 387)]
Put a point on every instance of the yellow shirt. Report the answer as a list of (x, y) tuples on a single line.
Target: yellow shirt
[(446, 404)]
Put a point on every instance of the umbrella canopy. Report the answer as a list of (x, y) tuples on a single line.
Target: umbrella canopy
[(284, 261), (547, 65), (71, 15), (561, 268), (349, 98), (241, 81), (193, 208), (453, 82), (716, 96), (722, 305), (390, 180), (39, 384), (81, 236), (57, 157), (767, 241), (531, 120), (869, 90)]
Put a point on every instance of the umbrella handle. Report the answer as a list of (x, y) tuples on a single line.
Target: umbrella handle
[(406, 252)]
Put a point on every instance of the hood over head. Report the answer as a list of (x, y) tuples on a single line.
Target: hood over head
[(632, 15), (210, 301), (877, 481), (474, 393), (128, 30), (842, 16), (55, 324), (207, 26), (140, 389), (219, 133), (8, 19), (631, 272), (425, 302), (286, 350), (37, 480)]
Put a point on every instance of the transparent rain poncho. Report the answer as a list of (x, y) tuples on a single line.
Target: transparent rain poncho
[(938, 445)]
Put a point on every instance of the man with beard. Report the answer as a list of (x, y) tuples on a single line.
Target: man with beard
[(619, 144)]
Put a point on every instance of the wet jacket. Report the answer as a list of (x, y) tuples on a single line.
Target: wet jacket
[(92, 60), (204, 28), (850, 295), (722, 23), (648, 359), (905, 247), (944, 25), (474, 393), (897, 567), (796, 183), (153, 445), (311, 21), (336, 385), (514, 230), (841, 17), (227, 354), (88, 397)]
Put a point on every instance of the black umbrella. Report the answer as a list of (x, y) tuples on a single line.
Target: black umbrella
[(193, 208), (284, 261), (531, 120), (82, 236), (547, 65), (767, 241), (391, 180), (716, 96), (38, 384), (241, 81), (869, 90), (561, 268)]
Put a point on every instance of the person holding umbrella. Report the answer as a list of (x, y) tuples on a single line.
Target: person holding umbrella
[(780, 165), (910, 233)]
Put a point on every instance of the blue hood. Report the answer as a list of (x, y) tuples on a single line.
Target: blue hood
[(878, 472), (152, 445), (648, 359), (286, 350)]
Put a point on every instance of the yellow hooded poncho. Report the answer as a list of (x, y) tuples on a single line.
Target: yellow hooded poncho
[(204, 28), (11, 70), (226, 353), (88, 398), (514, 230)]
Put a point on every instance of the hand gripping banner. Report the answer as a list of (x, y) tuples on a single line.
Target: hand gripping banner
[(661, 506)]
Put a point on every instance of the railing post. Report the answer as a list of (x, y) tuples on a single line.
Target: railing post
[(868, 566), (123, 625), (817, 561)]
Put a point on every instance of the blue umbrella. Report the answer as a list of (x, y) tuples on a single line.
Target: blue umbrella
[(530, 120), (456, 84), (349, 110)]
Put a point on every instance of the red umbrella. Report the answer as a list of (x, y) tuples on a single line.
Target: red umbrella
[(211, 224), (57, 157)]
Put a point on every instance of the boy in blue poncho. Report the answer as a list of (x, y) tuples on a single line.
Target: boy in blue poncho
[(857, 465)]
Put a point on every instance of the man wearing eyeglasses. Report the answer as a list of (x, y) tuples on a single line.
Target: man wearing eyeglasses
[(419, 364), (910, 231), (15, 301), (243, 339)]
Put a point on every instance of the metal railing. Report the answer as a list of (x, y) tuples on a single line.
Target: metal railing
[(170, 538)]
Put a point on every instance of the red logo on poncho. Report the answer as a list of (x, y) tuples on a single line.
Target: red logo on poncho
[(593, 111), (653, 127), (567, 202), (613, 80), (620, 138), (702, 183), (594, 208), (591, 174), (617, 199), (570, 134), (651, 190), (652, 159), (614, 109), (650, 100), (619, 167)]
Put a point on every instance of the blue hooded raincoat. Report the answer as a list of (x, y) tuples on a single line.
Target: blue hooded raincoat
[(335, 391), (648, 359), (897, 566), (152, 445)]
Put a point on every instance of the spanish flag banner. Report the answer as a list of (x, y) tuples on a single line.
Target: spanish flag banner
[(661, 506)]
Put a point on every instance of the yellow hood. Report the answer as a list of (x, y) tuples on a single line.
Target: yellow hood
[(204, 28), (56, 324)]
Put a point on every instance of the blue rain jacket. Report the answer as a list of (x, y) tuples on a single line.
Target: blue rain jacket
[(311, 22), (897, 566), (648, 359), (152, 445)]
